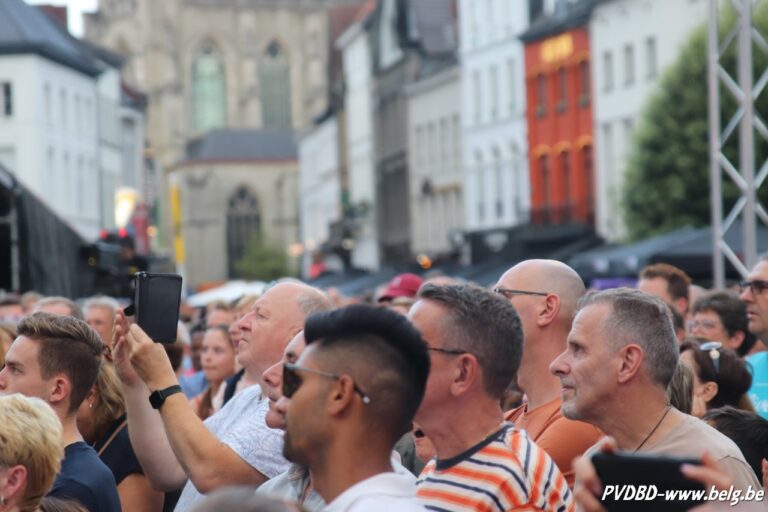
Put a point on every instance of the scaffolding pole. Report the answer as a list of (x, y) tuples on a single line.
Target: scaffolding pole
[(745, 92)]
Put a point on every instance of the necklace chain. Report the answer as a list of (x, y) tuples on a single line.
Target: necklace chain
[(666, 411)]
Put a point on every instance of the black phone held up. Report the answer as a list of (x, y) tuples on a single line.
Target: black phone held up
[(156, 304), (635, 482)]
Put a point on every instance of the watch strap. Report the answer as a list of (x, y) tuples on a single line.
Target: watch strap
[(157, 398)]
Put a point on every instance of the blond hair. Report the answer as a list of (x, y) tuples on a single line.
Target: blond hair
[(109, 404), (31, 436)]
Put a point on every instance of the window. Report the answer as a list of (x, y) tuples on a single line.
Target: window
[(544, 171), (498, 165), (511, 85), (47, 100), (562, 89), (493, 77), (480, 187), (589, 183), (607, 71), (208, 90), (275, 81), (629, 64), (477, 86), (584, 83), (63, 102), (650, 58), (7, 90), (76, 112), (565, 178), (541, 94), (243, 223)]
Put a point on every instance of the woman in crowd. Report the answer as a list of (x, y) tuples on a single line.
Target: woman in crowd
[(101, 421), (30, 452), (218, 362), (720, 376)]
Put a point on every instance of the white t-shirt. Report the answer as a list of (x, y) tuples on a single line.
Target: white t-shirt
[(241, 425), (385, 492)]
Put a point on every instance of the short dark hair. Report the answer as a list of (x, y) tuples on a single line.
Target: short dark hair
[(678, 282), (486, 325), (733, 378), (67, 346), (732, 313), (389, 360), (745, 428)]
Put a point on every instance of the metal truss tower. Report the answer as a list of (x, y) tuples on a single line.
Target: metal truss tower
[(745, 91)]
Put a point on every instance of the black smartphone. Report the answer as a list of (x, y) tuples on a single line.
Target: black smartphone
[(646, 482), (156, 304)]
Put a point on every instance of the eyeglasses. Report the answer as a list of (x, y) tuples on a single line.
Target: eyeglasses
[(756, 286), (292, 381), (509, 293), (712, 349), (449, 351), (704, 324)]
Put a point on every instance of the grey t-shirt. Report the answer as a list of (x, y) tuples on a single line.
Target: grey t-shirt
[(241, 425)]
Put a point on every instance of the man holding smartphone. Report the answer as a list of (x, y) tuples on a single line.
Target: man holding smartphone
[(234, 446), (620, 357)]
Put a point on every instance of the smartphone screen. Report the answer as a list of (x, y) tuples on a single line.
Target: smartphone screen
[(157, 300)]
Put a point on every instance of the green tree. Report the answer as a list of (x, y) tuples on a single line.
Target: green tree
[(667, 180), (262, 261)]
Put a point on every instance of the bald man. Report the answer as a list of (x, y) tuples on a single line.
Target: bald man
[(545, 294)]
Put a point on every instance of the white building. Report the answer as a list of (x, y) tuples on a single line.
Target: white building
[(496, 181), (50, 119), (632, 43), (355, 46), (319, 186), (434, 161)]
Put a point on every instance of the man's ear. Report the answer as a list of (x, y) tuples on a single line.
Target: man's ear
[(548, 310), (631, 361), (465, 373), (61, 390), (342, 394)]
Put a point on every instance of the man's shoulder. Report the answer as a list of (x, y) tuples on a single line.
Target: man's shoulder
[(759, 362)]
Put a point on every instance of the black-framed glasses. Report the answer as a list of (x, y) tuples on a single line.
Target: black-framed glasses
[(509, 293), (712, 349), (292, 380), (756, 286), (449, 351)]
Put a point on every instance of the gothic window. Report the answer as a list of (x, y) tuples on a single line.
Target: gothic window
[(243, 222), (275, 82), (209, 105)]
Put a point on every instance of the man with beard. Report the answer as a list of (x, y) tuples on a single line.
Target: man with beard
[(348, 398)]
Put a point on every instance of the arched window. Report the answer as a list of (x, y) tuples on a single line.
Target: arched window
[(209, 97), (275, 85), (243, 222)]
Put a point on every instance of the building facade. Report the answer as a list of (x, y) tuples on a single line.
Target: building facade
[(434, 161), (495, 164), (233, 185), (51, 90), (559, 114), (633, 42), (319, 188)]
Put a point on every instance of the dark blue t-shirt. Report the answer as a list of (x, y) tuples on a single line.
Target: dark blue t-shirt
[(86, 479)]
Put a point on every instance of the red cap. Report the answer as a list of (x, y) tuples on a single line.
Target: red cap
[(403, 285)]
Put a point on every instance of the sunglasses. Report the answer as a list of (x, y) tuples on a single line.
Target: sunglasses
[(292, 380), (712, 349), (756, 286), (509, 293)]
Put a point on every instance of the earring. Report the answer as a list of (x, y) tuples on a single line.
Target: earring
[(90, 405), (2, 500)]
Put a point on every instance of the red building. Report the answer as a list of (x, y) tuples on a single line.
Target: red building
[(559, 116)]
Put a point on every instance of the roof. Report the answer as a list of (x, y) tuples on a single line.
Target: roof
[(26, 29), (243, 145), (572, 15)]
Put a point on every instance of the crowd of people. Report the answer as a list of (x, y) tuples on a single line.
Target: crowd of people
[(438, 395)]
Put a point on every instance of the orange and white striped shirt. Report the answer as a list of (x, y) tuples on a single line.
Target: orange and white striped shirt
[(506, 471)]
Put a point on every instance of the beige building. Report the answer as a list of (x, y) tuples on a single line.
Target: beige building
[(231, 68), (233, 185)]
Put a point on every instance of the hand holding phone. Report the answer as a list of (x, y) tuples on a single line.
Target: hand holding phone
[(635, 482), (156, 305)]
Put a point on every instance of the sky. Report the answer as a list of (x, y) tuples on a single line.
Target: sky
[(76, 8)]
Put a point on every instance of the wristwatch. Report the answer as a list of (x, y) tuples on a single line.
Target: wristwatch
[(157, 398)]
